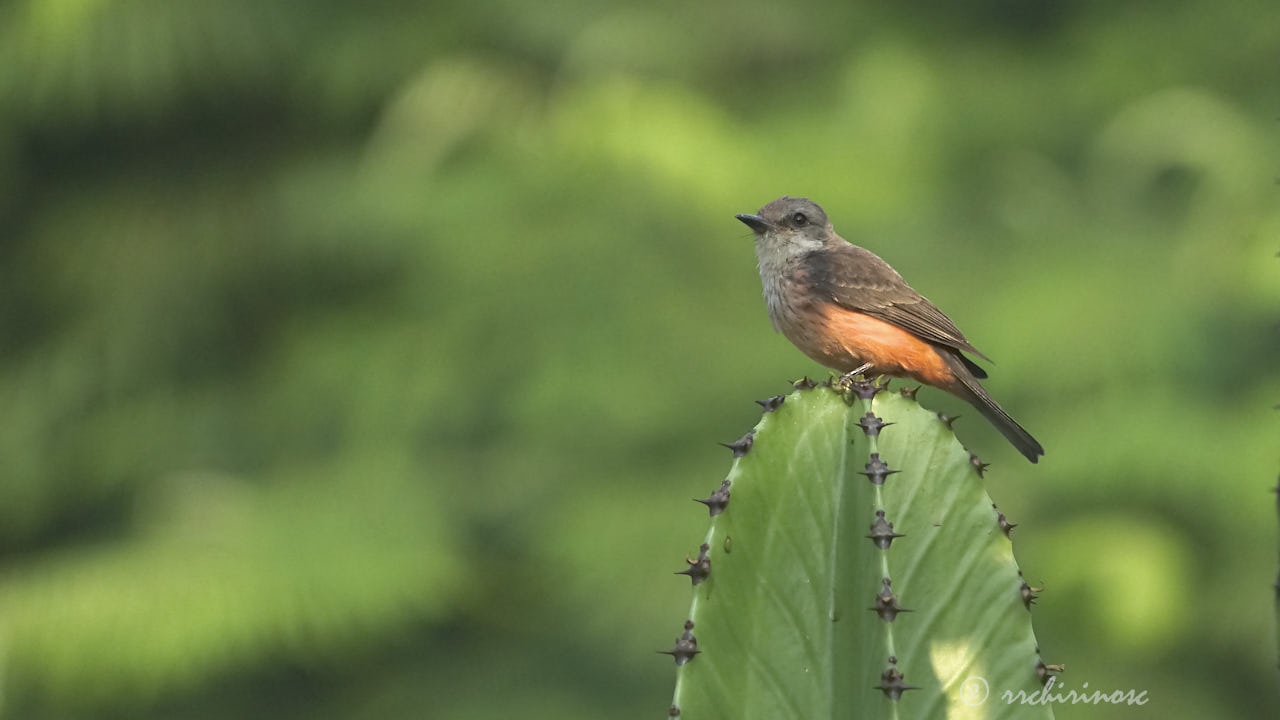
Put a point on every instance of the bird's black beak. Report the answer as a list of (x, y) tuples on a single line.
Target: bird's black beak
[(755, 222)]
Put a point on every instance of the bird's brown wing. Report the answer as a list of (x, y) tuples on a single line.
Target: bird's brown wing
[(859, 280)]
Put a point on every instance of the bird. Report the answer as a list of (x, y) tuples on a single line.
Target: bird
[(851, 311)]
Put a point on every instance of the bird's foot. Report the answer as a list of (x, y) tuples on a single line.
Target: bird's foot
[(846, 380), (854, 384)]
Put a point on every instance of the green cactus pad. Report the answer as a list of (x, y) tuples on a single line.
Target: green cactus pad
[(796, 620)]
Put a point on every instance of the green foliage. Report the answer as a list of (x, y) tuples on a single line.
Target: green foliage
[(223, 573), (352, 354), (787, 623)]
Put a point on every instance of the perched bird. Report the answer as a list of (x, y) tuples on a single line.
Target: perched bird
[(847, 309)]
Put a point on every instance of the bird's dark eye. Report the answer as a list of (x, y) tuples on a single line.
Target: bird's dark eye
[(799, 219)]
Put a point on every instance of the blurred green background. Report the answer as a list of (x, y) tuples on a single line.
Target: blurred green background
[(359, 360)]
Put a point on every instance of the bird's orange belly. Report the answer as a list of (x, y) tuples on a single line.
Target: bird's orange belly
[(843, 339)]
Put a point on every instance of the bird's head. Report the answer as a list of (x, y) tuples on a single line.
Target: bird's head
[(789, 226)]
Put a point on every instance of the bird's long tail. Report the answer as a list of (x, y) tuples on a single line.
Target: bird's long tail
[(968, 389)]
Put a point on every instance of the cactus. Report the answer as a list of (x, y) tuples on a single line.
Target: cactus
[(855, 568)]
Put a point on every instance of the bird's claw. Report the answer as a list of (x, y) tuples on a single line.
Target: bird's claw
[(846, 382), (847, 378)]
